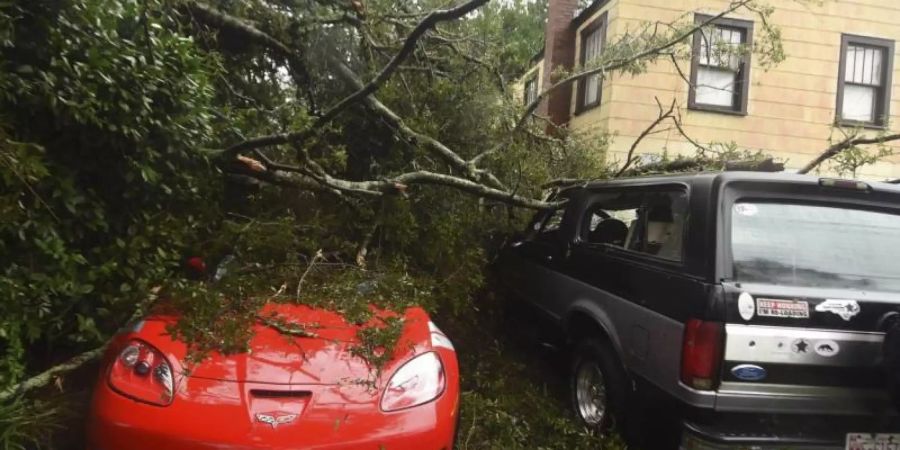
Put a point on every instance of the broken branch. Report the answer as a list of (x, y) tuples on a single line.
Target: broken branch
[(850, 142), (663, 115)]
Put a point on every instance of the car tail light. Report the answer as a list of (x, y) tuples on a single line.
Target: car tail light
[(142, 373), (701, 354), (419, 381)]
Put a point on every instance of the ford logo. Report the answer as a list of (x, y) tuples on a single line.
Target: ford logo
[(748, 372)]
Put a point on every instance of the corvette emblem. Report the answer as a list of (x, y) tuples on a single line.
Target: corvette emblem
[(275, 420), (844, 308)]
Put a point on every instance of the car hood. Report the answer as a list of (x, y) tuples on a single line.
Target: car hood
[(320, 355)]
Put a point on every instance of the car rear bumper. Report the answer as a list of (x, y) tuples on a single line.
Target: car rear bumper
[(214, 418), (764, 432)]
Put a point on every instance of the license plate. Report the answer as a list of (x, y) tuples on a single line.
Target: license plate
[(867, 441)]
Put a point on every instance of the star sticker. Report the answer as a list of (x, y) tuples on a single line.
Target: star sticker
[(800, 346)]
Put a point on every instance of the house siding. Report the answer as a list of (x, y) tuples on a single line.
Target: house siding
[(791, 107), (596, 118)]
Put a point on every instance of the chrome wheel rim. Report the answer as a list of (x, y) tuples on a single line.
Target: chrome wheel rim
[(590, 393)]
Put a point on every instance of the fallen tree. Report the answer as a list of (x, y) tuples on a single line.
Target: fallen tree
[(384, 132)]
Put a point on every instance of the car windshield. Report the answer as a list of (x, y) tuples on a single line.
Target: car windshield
[(815, 246)]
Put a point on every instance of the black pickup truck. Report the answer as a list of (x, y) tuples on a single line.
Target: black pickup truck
[(757, 302)]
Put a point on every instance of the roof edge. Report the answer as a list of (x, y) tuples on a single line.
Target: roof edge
[(586, 13)]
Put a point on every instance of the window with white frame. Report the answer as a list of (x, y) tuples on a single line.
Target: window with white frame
[(720, 68), (864, 80)]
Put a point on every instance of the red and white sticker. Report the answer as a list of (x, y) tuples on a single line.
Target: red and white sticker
[(791, 309)]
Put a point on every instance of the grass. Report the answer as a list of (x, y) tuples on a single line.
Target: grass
[(29, 424), (514, 394)]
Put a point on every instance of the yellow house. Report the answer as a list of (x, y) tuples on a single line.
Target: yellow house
[(839, 72)]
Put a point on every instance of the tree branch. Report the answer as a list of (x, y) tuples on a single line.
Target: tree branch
[(222, 21), (218, 19), (396, 185), (414, 137), (409, 45), (663, 115), (46, 377), (850, 142), (695, 164)]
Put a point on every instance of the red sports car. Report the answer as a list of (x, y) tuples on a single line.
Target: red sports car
[(286, 393)]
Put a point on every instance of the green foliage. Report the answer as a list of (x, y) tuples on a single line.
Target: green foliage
[(523, 19), (714, 156), (378, 343), (26, 424), (219, 319), (847, 162), (102, 104)]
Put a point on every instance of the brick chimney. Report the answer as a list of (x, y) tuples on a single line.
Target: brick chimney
[(559, 51)]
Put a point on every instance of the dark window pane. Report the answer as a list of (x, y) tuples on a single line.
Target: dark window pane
[(651, 223)]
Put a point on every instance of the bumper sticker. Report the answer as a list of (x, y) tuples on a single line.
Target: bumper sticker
[(793, 309), (746, 209), (844, 308), (800, 346), (746, 306), (827, 348)]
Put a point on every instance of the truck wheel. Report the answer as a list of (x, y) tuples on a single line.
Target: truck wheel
[(599, 385)]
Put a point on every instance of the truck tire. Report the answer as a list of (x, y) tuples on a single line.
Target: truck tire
[(599, 386)]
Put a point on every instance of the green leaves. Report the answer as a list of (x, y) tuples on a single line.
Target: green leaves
[(102, 105)]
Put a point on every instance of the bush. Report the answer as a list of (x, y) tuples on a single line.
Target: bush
[(102, 107)]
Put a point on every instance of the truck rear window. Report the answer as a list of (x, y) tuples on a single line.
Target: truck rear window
[(815, 246)]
